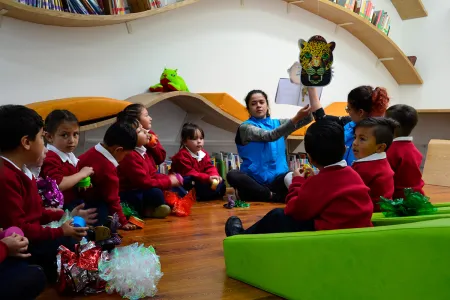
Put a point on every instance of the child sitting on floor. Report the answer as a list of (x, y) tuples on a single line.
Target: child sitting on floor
[(140, 185), (373, 136), (22, 145), (194, 164), (335, 198), (62, 133), (403, 156), (119, 140)]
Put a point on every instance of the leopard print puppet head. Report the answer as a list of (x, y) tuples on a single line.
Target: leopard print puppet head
[(316, 60)]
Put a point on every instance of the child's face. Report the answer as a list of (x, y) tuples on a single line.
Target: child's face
[(36, 150), (365, 143), (142, 136), (145, 119), (196, 144), (40, 161), (66, 137)]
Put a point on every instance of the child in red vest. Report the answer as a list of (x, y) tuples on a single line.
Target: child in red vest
[(373, 137), (140, 184), (194, 164), (62, 133), (403, 156), (335, 198), (119, 140), (22, 145)]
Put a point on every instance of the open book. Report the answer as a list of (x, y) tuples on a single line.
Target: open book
[(292, 93)]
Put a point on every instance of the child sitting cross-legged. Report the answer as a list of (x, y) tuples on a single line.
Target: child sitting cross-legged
[(373, 137), (335, 198), (194, 164), (119, 140), (22, 145), (405, 159)]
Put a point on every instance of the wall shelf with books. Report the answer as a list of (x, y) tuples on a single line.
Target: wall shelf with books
[(55, 17), (410, 9), (388, 53)]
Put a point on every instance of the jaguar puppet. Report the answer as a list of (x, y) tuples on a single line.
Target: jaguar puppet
[(316, 59)]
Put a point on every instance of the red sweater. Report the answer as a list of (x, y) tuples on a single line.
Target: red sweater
[(3, 251), (139, 172), (105, 182), (186, 165), (336, 198), (56, 169), (157, 152), (379, 177), (405, 161), (22, 205)]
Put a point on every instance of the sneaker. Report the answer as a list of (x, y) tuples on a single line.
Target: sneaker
[(161, 212), (233, 226)]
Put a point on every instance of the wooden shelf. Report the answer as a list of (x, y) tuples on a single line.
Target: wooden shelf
[(58, 18), (410, 9), (434, 111), (380, 44)]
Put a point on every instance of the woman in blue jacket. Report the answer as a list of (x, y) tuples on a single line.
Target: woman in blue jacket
[(261, 145)]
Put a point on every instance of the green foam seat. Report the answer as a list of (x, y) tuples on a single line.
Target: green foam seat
[(406, 261)]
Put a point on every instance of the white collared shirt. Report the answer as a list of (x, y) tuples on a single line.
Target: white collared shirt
[(403, 139), (65, 157), (375, 156), (106, 154), (342, 164), (24, 168), (201, 154), (141, 150)]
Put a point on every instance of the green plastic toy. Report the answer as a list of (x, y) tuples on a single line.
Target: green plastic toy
[(84, 183), (170, 81)]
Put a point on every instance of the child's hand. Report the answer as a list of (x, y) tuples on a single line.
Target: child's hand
[(86, 171), (76, 232), (218, 178), (89, 215), (308, 171), (174, 180), (17, 245), (303, 172), (129, 226)]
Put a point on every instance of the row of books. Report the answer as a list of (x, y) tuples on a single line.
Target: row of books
[(97, 7), (296, 161), (366, 9)]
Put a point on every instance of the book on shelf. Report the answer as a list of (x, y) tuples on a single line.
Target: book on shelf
[(298, 160), (366, 9)]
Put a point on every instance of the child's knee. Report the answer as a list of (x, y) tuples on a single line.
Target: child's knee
[(288, 179)]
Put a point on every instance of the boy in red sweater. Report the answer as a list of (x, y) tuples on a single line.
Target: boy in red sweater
[(119, 140), (335, 198), (22, 145), (194, 164), (140, 184), (403, 156), (373, 136)]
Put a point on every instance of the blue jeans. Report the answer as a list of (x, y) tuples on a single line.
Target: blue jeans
[(101, 206), (18, 280), (203, 191)]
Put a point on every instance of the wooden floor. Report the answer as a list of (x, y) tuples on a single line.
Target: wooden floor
[(191, 252)]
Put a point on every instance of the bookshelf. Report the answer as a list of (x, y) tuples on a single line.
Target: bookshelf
[(410, 9), (43, 16), (388, 53)]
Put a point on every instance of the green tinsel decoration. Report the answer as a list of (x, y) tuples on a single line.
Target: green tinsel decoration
[(128, 211), (414, 204), (240, 203)]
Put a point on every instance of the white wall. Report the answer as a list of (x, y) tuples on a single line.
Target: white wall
[(428, 39)]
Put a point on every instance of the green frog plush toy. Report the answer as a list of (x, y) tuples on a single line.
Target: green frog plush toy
[(170, 81)]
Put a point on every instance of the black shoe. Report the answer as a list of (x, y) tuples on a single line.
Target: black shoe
[(233, 226)]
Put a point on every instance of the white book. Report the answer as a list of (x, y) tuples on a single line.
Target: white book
[(293, 93)]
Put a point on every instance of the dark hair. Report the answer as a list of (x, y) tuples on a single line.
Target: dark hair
[(406, 116), (134, 110), (249, 96), (324, 142), (383, 129), (372, 101), (56, 118), (130, 119), (17, 121), (121, 134), (189, 132)]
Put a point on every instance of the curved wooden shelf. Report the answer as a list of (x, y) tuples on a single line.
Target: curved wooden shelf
[(380, 44), (58, 18)]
